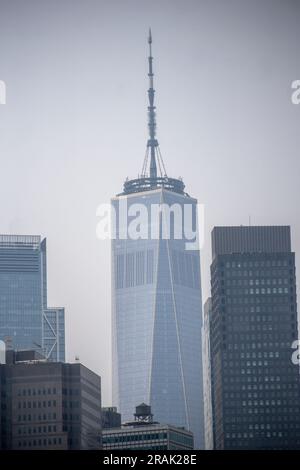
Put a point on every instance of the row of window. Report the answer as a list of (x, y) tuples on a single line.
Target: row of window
[(258, 411), (33, 392), (238, 364), (257, 273), (258, 282), (41, 417), (257, 318), (28, 392), (248, 300), (247, 435), (264, 387), (261, 426), (287, 371), (133, 437), (45, 417), (252, 355), (262, 394), (254, 379), (256, 337), (41, 442), (248, 422), (244, 304), (259, 291), (140, 447), (264, 402), (258, 345), (265, 308), (246, 327), (37, 430), (256, 264), (36, 404)]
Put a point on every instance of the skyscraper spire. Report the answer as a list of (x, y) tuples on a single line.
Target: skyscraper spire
[(153, 175), (152, 142)]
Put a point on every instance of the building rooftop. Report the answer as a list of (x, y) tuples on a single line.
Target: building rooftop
[(250, 239), (20, 240), (148, 184), (27, 355)]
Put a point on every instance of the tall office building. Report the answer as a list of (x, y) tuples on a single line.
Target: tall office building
[(253, 322), (156, 296), (25, 320), (48, 405)]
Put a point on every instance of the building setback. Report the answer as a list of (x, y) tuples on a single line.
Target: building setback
[(48, 405), (26, 322), (253, 322)]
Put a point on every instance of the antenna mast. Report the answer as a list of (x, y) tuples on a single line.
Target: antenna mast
[(152, 142)]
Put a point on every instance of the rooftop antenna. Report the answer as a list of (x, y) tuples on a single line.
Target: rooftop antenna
[(152, 141), (158, 177)]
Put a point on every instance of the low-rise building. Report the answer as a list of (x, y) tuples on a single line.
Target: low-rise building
[(145, 434)]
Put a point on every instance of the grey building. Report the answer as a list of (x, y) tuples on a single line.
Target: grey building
[(48, 405), (156, 296), (26, 322), (110, 418), (145, 434), (253, 322), (207, 376)]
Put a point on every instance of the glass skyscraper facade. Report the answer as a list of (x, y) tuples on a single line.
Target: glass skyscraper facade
[(21, 290), (157, 319), (253, 323), (24, 316)]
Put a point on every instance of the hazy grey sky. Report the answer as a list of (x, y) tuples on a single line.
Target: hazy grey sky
[(74, 127)]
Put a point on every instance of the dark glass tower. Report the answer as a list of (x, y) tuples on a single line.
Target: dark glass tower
[(156, 301), (253, 322)]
